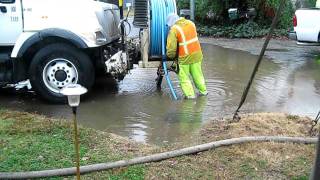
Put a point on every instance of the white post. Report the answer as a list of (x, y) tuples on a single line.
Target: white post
[(145, 47), (192, 9)]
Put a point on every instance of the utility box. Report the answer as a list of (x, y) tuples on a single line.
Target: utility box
[(233, 13), (186, 13)]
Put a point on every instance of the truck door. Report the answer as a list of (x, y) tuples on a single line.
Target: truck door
[(11, 25)]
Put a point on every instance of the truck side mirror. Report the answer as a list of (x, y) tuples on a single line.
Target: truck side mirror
[(7, 1)]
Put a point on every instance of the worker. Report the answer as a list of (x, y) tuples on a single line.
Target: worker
[(318, 4), (183, 44)]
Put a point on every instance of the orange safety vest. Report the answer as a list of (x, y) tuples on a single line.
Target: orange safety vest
[(187, 39)]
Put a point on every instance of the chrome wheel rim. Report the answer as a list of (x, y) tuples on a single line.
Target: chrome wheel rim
[(58, 73)]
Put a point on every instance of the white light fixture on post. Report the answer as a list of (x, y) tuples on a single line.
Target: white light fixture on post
[(73, 92)]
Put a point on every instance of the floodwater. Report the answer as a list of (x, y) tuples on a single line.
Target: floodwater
[(136, 109)]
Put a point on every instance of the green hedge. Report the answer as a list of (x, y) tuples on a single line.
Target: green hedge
[(267, 9), (218, 24), (312, 3), (245, 30)]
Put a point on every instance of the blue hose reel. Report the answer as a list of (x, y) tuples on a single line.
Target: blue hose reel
[(159, 31)]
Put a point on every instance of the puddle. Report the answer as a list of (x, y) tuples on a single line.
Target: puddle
[(135, 109), (277, 50)]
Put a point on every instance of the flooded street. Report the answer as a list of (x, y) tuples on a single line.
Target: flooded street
[(136, 109)]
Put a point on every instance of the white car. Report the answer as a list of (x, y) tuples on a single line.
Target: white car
[(306, 24)]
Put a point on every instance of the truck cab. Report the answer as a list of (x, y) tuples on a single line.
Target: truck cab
[(53, 43)]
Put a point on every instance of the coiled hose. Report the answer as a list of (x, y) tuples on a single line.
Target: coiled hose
[(159, 31)]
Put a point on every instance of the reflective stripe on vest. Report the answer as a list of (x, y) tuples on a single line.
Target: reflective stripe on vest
[(185, 47), (189, 42), (187, 39)]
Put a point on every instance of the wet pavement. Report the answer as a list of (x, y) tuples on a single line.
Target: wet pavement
[(134, 107)]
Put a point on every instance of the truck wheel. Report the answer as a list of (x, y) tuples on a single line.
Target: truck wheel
[(56, 66)]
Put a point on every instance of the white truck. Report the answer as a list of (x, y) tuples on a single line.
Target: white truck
[(54, 43), (306, 22)]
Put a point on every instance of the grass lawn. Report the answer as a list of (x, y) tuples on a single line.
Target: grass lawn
[(247, 161), (33, 142)]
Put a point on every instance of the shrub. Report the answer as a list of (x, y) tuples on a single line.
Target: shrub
[(312, 3), (215, 12), (245, 30)]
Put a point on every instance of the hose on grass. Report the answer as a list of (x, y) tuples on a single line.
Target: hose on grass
[(155, 157)]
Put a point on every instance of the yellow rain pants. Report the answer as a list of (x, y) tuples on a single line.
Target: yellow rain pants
[(193, 70)]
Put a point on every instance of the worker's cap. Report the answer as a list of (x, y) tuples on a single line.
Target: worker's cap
[(172, 18)]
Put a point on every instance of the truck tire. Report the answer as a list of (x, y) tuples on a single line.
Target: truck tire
[(56, 66)]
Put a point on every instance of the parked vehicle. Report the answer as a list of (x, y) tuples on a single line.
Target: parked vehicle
[(306, 24), (54, 43)]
